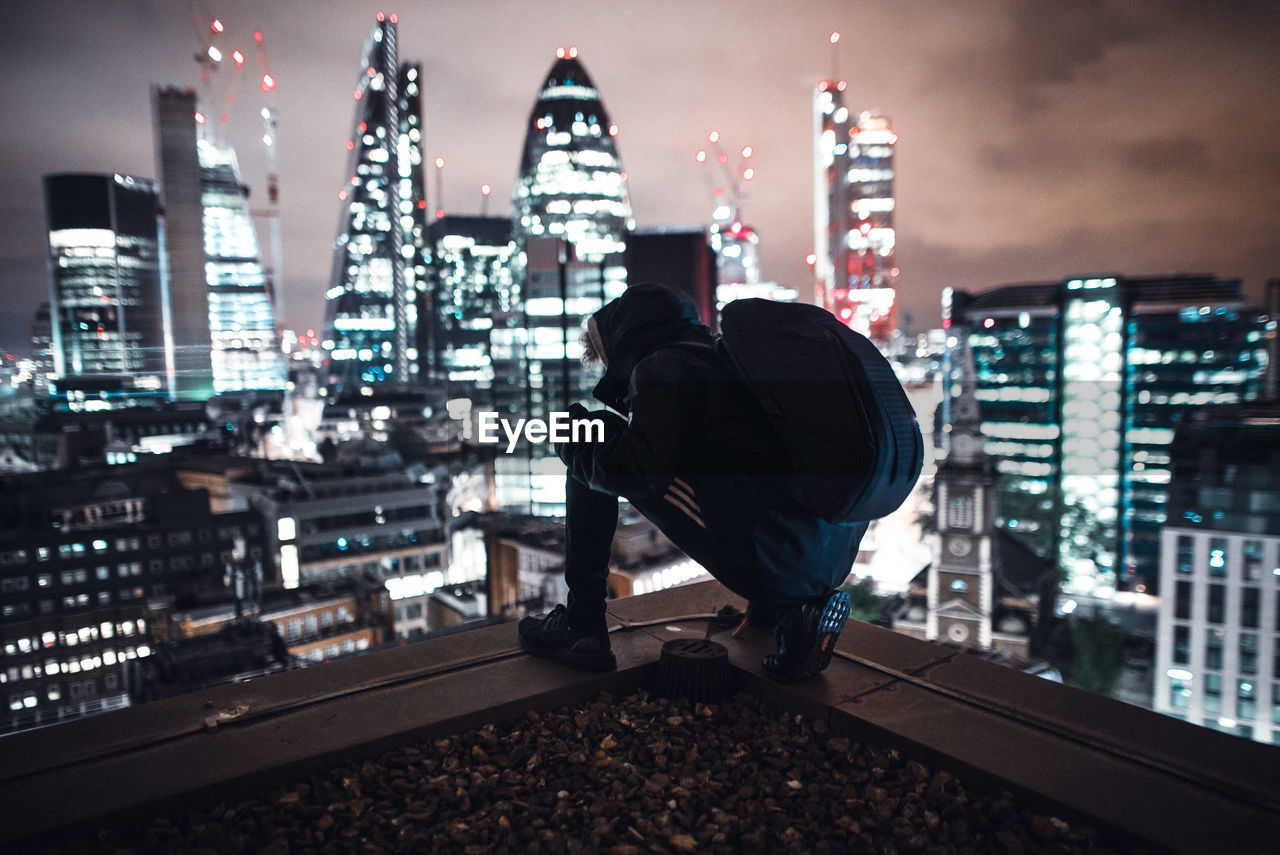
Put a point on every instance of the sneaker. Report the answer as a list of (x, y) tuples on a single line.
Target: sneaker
[(551, 637), (806, 637)]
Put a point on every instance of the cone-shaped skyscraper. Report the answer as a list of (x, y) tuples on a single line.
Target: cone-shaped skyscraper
[(571, 183), (371, 305), (570, 217)]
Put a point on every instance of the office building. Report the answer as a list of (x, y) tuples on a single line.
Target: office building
[(855, 267), (472, 288), (84, 559), (367, 517), (222, 320), (379, 269), (1218, 642), (1081, 384), (571, 183), (570, 217), (106, 289), (684, 259)]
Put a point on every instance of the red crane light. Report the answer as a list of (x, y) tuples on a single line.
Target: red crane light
[(269, 83), (216, 26), (701, 156)]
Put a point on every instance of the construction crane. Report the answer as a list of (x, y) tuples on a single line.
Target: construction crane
[(725, 180), (214, 55)]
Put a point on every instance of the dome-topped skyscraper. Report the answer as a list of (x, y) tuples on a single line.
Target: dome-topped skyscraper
[(570, 217), (571, 183)]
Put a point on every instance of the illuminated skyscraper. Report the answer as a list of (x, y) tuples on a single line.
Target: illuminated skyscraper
[(853, 214), (106, 290), (222, 323), (379, 269), (246, 350), (571, 182), (472, 284), (570, 219)]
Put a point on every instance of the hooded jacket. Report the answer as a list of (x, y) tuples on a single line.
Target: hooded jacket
[(695, 443)]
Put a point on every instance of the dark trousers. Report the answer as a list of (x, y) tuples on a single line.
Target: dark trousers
[(592, 519)]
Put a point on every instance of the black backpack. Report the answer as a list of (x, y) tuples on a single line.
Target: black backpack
[(843, 420)]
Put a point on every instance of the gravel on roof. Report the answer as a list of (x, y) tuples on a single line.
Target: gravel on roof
[(621, 776)]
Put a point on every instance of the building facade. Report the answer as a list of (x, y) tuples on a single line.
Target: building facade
[(855, 263), (379, 270), (1080, 385), (107, 293), (83, 561), (472, 288), (222, 325), (369, 518), (571, 183), (1218, 631)]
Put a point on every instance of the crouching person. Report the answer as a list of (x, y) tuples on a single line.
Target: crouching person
[(697, 456)]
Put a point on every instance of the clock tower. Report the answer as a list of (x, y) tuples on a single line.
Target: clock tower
[(961, 579)]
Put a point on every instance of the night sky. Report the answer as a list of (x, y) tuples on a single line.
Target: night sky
[(1037, 140)]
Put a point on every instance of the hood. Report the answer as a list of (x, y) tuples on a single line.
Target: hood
[(645, 318)]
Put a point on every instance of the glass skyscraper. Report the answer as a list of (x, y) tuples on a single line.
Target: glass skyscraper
[(854, 239), (570, 218), (1081, 385), (571, 183), (106, 289), (379, 269), (222, 325), (246, 352), (472, 286)]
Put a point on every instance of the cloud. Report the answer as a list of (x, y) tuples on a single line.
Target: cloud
[(1162, 156)]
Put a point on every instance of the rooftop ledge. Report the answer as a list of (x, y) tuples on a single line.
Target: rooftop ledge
[(1153, 780)]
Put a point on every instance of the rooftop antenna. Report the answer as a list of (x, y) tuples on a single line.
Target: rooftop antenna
[(439, 187), (835, 55)]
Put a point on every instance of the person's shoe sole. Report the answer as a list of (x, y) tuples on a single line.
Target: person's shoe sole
[(835, 613), (594, 660)]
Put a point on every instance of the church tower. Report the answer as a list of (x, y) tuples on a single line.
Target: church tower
[(962, 577)]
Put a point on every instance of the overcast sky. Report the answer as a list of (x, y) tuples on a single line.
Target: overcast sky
[(1036, 139)]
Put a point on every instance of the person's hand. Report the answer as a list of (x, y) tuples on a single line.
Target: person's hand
[(564, 450)]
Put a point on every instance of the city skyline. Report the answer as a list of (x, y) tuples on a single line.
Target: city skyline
[(1035, 142)]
